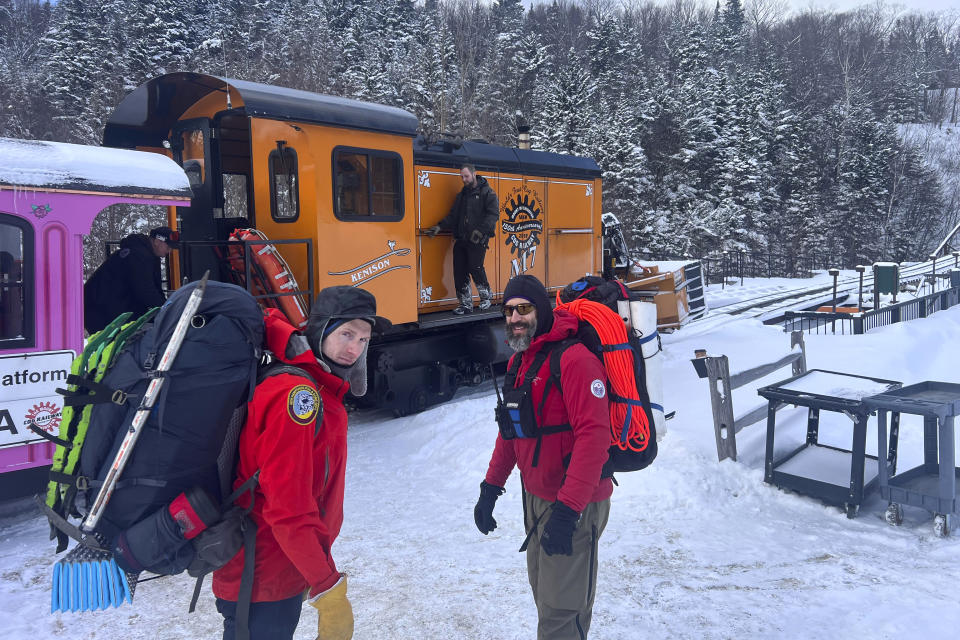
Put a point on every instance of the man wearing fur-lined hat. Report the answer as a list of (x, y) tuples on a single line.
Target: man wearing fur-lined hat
[(296, 436)]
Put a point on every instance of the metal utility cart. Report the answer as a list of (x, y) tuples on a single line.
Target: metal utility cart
[(836, 476), (932, 485)]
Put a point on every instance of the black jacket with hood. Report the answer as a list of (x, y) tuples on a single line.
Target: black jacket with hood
[(128, 280), (476, 207)]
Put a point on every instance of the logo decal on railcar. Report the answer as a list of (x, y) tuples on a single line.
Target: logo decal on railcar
[(522, 226), (41, 210), (374, 268), (45, 415)]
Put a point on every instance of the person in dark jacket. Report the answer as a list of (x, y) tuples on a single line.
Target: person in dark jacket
[(129, 279), (298, 503), (473, 221), (566, 502)]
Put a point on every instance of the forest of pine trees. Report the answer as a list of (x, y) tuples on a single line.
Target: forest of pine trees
[(725, 126)]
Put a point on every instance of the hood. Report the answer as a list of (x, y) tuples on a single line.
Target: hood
[(565, 325), (481, 183), (290, 346)]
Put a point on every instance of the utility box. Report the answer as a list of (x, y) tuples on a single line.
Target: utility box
[(886, 277), (954, 278)]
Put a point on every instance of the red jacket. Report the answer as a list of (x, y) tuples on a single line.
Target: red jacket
[(298, 506), (584, 405)]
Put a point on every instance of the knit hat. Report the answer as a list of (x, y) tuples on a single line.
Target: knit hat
[(332, 307), (531, 289)]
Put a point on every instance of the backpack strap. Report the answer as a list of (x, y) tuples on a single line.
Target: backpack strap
[(248, 530), (554, 378), (546, 353), (510, 379)]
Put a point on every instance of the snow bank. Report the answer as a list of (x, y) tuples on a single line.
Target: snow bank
[(694, 548)]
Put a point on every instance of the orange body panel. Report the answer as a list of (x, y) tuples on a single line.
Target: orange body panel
[(377, 255), (548, 227), (437, 187), (573, 232)]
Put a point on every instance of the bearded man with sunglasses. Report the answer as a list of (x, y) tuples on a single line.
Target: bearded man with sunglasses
[(558, 438)]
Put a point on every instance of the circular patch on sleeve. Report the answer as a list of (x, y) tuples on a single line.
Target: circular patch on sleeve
[(302, 404), (598, 389)]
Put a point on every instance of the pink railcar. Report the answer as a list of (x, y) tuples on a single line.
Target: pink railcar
[(50, 194)]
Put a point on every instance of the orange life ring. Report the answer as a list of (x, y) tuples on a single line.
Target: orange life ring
[(271, 276)]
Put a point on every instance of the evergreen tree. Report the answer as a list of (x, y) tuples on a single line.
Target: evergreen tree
[(564, 117), (157, 42), (70, 73), (435, 80)]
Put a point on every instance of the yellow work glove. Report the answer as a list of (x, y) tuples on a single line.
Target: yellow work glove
[(334, 613)]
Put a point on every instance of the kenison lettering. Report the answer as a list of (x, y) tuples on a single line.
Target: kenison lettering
[(369, 271), (26, 376)]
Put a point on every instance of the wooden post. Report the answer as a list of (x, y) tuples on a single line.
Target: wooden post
[(718, 373)]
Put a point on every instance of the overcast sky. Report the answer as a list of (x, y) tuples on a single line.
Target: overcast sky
[(844, 5)]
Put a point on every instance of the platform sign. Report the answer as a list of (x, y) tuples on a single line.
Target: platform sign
[(28, 384)]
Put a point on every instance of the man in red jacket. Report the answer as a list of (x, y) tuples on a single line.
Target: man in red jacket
[(558, 437), (296, 436)]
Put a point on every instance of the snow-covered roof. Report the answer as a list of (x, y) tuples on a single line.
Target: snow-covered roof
[(36, 164)]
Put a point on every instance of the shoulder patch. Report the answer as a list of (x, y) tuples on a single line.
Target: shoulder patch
[(597, 388), (302, 404)]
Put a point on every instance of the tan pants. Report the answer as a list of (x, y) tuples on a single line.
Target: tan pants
[(564, 586)]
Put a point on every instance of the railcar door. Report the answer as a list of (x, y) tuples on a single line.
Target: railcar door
[(190, 142)]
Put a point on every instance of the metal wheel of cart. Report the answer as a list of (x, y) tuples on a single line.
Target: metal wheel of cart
[(941, 527), (894, 514)]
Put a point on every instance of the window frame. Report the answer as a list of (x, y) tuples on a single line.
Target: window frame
[(370, 153), (275, 153), (29, 338)]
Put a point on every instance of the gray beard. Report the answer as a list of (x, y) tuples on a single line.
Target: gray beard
[(520, 342)]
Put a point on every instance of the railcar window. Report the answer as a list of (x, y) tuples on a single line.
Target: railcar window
[(193, 149), (284, 185), (234, 196), (368, 184), (16, 267)]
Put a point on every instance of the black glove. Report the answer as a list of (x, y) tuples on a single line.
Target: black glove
[(432, 231), (477, 237), (557, 538), (483, 512), (217, 545)]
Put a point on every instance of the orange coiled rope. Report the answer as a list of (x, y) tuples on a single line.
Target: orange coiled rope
[(629, 425)]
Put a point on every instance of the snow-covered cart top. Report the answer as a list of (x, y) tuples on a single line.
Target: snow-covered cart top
[(36, 165)]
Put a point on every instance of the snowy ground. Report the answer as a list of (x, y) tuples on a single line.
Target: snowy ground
[(694, 548)]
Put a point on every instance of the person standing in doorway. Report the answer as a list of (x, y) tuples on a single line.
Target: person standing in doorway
[(473, 221), (129, 279)]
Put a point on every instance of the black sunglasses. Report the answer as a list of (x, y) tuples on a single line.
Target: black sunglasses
[(524, 308)]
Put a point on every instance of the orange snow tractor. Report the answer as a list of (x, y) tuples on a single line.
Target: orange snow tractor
[(344, 190)]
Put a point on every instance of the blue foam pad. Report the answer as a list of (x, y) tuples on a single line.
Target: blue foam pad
[(126, 587), (103, 582), (93, 590), (55, 590), (64, 587), (116, 593), (74, 586)]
